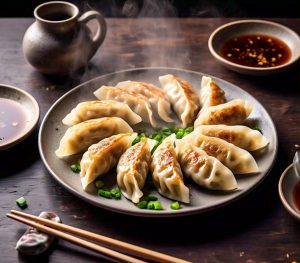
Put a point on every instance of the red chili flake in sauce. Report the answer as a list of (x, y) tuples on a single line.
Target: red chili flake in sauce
[(256, 51)]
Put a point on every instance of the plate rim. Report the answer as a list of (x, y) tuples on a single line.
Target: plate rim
[(141, 212), (33, 123)]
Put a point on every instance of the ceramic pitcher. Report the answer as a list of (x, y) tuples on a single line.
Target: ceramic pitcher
[(59, 41)]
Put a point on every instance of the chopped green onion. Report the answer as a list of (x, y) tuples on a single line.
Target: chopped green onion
[(142, 204), (189, 129), (75, 167), (147, 134), (257, 128), (165, 129), (115, 193), (179, 134), (151, 197), (158, 206), (142, 135), (175, 130), (157, 137), (104, 193), (143, 139), (136, 140), (153, 135), (99, 184), (175, 206), (21, 202), (150, 205)]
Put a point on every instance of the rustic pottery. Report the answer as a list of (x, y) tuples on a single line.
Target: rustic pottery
[(59, 41)]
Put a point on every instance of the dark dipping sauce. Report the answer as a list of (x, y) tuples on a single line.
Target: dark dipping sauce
[(12, 120), (256, 51), (296, 195)]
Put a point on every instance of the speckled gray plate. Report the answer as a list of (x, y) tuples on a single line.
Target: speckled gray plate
[(30, 107), (52, 130)]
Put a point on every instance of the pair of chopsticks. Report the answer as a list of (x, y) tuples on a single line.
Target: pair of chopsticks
[(56, 229)]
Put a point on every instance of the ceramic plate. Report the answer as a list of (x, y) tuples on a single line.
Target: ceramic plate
[(52, 130), (29, 108)]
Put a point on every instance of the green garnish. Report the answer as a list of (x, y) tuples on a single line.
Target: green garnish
[(180, 133), (99, 184), (165, 129), (21, 202), (142, 204), (150, 205), (189, 129), (104, 193), (158, 206), (75, 167), (257, 128), (157, 137), (136, 140), (151, 197), (115, 193), (175, 206)]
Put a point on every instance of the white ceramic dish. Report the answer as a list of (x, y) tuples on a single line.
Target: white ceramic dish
[(28, 105), (52, 130), (286, 185), (245, 27)]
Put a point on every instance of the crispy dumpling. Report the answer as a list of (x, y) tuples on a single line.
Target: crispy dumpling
[(157, 97), (238, 160), (230, 113), (102, 156), (166, 172), (137, 102), (210, 93), (101, 108), (203, 169), (80, 136), (239, 135), (184, 99), (133, 168)]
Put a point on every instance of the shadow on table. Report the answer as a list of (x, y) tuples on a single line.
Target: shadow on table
[(19, 156)]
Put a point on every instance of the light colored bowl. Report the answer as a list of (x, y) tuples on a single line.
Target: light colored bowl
[(245, 27), (30, 107), (287, 182)]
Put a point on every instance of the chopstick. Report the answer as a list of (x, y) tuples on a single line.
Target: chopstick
[(77, 241), (56, 228)]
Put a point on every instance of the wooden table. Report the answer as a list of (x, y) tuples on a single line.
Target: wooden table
[(253, 229)]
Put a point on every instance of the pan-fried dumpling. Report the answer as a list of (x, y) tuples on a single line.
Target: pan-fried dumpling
[(238, 160), (80, 136), (102, 156), (101, 108), (184, 99), (157, 97), (203, 169), (230, 113), (166, 172), (210, 93), (137, 102), (133, 168), (239, 135)]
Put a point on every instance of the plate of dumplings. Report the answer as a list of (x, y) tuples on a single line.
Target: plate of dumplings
[(99, 122)]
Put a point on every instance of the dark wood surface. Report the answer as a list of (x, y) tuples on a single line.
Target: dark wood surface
[(253, 229)]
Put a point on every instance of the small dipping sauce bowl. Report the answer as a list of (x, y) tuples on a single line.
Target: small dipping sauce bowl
[(288, 188), (241, 28), (19, 115)]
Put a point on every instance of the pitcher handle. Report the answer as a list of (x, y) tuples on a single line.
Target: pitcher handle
[(101, 30)]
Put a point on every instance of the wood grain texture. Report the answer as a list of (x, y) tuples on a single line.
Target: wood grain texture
[(253, 229)]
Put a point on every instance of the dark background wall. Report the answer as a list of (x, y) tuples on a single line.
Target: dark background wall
[(181, 8)]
